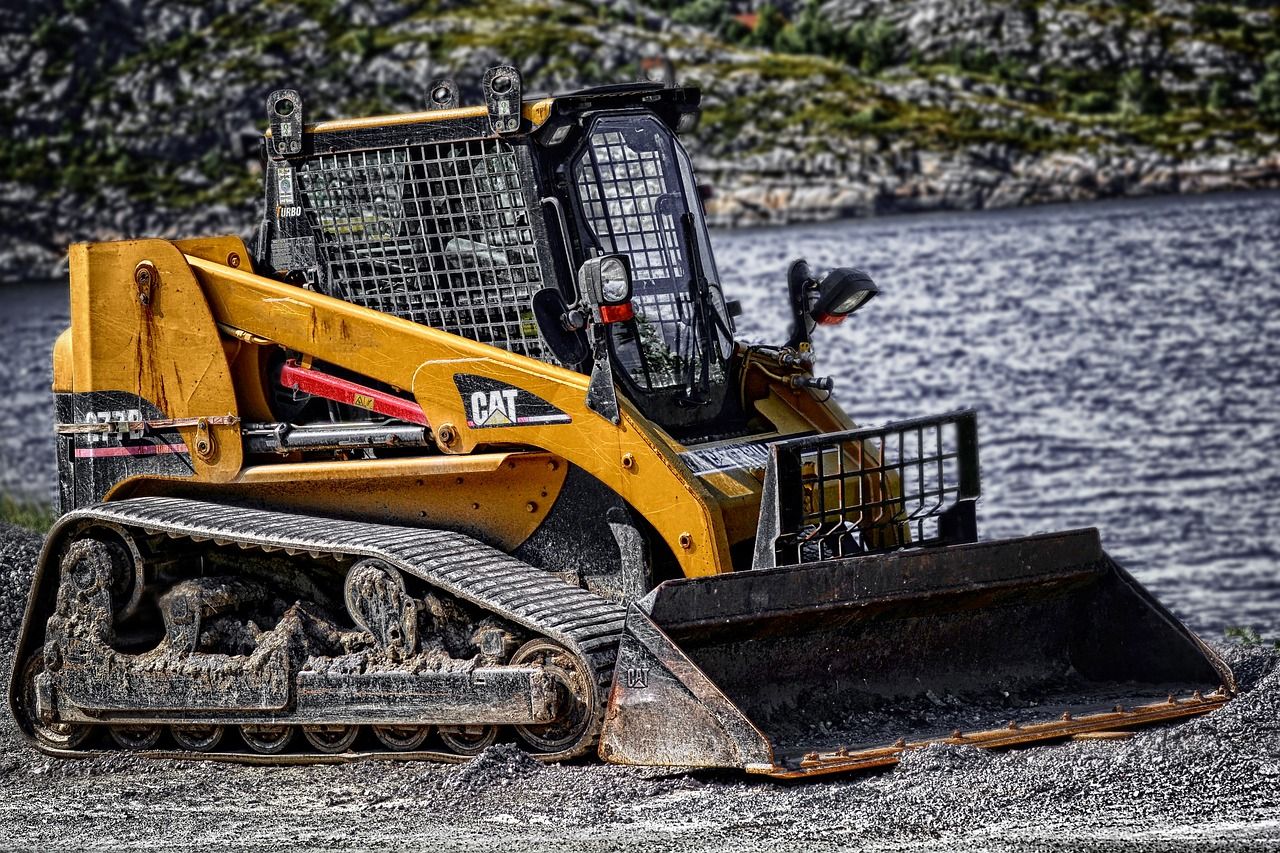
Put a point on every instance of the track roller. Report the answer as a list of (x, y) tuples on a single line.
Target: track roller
[(577, 697), (56, 735), (469, 740), (196, 737), (136, 737), (267, 740), (331, 739), (402, 738)]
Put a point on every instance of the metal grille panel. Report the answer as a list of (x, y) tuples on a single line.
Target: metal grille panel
[(632, 202), (622, 203), (435, 233), (909, 483)]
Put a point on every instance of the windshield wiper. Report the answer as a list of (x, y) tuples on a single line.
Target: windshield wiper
[(700, 289)]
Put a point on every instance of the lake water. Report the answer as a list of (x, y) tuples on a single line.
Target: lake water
[(1123, 357)]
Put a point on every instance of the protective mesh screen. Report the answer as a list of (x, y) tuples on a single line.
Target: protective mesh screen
[(631, 199), (621, 202), (435, 233)]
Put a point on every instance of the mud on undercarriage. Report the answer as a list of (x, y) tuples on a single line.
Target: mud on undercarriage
[(183, 626)]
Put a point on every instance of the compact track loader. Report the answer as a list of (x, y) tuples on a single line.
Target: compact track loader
[(463, 447)]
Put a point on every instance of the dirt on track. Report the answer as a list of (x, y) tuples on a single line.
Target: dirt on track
[(1212, 783)]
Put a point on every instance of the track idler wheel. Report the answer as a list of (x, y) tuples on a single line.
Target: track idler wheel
[(136, 737), (266, 739), (197, 737), (51, 733), (577, 699), (470, 740), (402, 738), (331, 739)]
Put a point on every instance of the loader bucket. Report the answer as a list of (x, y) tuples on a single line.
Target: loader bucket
[(844, 664)]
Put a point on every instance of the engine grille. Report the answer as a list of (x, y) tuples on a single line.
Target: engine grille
[(436, 233)]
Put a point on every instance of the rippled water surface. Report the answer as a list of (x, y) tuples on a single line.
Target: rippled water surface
[(1124, 359)]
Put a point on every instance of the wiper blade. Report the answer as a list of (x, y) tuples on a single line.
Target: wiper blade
[(697, 395)]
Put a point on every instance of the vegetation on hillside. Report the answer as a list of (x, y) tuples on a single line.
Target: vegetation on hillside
[(117, 115)]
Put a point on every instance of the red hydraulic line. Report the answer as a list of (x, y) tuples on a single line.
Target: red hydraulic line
[(320, 384)]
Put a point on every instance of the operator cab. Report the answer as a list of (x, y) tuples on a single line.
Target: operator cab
[(631, 196), (567, 229)]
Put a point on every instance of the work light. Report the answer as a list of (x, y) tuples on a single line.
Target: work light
[(841, 292), (607, 281)]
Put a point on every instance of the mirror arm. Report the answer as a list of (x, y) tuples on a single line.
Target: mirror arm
[(564, 240), (800, 287), (602, 396)]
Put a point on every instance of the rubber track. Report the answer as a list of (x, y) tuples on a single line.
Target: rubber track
[(586, 624)]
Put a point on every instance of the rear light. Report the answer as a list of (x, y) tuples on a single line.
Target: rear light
[(617, 313)]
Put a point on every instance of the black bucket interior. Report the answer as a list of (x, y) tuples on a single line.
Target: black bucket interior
[(864, 652)]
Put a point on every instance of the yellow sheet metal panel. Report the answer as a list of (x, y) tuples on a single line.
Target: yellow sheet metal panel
[(426, 361), (221, 250), (244, 351), (140, 324), (63, 369), (499, 498)]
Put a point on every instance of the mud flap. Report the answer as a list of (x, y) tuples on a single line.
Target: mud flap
[(844, 664)]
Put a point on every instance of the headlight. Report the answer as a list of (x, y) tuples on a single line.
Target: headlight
[(615, 284)]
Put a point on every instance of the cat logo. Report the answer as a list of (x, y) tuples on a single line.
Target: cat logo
[(493, 408)]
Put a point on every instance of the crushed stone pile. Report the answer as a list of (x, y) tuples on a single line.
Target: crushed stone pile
[(1210, 783), (499, 764), (19, 550)]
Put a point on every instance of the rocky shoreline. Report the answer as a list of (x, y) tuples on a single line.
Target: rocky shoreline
[(133, 118), (744, 197)]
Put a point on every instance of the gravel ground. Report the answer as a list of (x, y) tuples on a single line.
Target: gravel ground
[(1208, 784)]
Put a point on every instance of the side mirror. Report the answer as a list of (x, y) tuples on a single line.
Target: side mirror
[(560, 326)]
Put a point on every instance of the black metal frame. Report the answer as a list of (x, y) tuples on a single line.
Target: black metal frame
[(911, 483)]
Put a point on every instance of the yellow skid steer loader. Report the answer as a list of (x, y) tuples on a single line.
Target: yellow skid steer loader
[(463, 447)]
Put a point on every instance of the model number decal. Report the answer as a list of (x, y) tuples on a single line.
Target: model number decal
[(127, 437), (122, 417)]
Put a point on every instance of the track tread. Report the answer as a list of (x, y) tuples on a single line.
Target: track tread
[(541, 602)]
